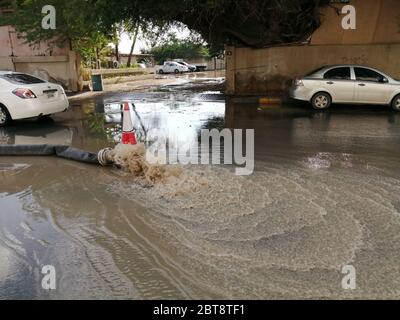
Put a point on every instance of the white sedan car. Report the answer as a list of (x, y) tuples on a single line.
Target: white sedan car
[(173, 67), (24, 96), (347, 84), (191, 67)]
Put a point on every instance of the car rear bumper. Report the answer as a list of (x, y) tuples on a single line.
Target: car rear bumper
[(300, 93), (37, 108)]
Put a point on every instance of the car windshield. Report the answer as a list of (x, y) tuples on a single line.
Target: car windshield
[(21, 78)]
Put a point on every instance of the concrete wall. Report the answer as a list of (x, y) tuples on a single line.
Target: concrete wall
[(12, 45), (59, 64), (375, 43), (6, 63), (270, 70), (213, 64), (123, 59), (378, 22), (217, 64)]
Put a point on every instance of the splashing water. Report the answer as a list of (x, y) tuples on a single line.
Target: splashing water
[(133, 159)]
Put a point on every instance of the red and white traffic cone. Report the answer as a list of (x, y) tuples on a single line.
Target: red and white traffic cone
[(128, 131)]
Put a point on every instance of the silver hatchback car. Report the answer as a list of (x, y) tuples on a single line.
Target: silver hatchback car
[(347, 84)]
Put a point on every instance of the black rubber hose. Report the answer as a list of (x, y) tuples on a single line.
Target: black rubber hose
[(65, 152), (27, 150), (76, 155)]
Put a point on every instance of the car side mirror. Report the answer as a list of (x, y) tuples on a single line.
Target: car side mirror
[(385, 80)]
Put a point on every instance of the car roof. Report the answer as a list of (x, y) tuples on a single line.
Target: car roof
[(345, 65)]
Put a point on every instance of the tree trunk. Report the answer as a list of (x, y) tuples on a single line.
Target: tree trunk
[(97, 58), (134, 38), (117, 51)]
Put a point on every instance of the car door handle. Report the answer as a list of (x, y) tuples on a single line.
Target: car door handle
[(330, 82), (362, 84)]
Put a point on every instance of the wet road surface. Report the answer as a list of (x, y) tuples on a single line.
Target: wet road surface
[(325, 193)]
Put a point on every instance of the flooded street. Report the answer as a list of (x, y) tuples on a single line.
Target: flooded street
[(324, 194)]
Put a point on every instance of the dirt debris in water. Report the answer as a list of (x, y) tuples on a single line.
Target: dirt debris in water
[(133, 159)]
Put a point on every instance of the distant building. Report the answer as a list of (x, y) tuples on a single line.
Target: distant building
[(375, 42)]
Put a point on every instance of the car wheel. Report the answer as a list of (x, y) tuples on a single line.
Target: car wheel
[(5, 117), (396, 103), (321, 101), (161, 72), (176, 71)]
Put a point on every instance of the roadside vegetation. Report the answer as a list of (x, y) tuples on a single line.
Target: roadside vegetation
[(88, 27), (174, 48)]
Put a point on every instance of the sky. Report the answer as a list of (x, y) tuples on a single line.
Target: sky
[(125, 44)]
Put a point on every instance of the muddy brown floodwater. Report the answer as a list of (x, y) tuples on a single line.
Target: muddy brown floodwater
[(324, 194)]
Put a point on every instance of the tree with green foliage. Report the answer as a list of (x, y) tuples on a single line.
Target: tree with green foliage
[(5, 6), (174, 48), (76, 26), (255, 23)]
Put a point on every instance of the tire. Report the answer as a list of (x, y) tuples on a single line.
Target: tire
[(160, 72), (176, 71), (396, 103), (5, 117), (321, 101)]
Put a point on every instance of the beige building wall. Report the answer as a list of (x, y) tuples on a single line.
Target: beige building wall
[(378, 22), (213, 64), (61, 64), (270, 70), (375, 43)]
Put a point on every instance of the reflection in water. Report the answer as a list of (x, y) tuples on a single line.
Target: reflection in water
[(324, 194), (36, 133), (181, 119)]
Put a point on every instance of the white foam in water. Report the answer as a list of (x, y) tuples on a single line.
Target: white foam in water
[(284, 232), (281, 232), (133, 159)]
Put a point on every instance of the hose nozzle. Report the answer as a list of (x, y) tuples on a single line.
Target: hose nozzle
[(105, 157)]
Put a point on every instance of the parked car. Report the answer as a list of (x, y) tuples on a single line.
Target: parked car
[(173, 67), (25, 96), (191, 67), (201, 68), (347, 84)]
